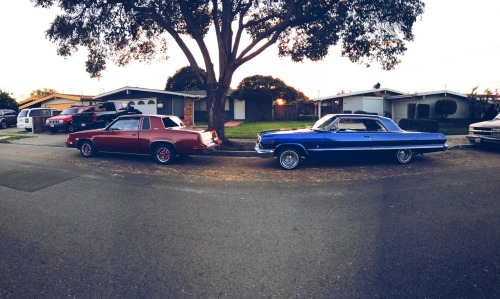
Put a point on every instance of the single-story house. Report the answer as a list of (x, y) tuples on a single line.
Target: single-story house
[(389, 102), (57, 101), (191, 106)]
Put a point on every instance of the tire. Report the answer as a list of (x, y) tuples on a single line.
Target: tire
[(289, 158), (4, 125), (87, 149), (70, 128), (403, 156), (164, 154)]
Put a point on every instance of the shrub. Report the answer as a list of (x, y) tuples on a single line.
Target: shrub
[(445, 107), (423, 110), (411, 110), (421, 125)]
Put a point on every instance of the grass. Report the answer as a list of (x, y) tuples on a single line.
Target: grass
[(250, 130), (13, 137)]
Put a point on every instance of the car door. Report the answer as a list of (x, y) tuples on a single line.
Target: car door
[(348, 134), (121, 137)]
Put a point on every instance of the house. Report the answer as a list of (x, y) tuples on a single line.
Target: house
[(57, 101), (389, 102), (188, 105)]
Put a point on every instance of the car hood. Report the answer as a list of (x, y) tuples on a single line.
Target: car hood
[(489, 123), (286, 132)]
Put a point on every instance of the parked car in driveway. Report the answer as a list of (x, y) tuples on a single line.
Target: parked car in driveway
[(25, 116), (346, 133), (161, 136), (64, 121), (485, 132), (8, 117)]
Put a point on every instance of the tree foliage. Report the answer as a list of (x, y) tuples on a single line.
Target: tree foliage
[(367, 31), (43, 92), (7, 101), (185, 79), (266, 88)]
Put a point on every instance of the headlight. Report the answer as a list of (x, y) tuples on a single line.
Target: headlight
[(495, 129), (61, 121)]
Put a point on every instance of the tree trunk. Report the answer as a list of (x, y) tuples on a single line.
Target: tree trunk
[(216, 100)]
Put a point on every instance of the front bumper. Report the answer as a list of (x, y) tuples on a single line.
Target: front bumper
[(477, 139), (262, 152)]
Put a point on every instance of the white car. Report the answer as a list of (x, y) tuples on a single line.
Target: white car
[(25, 116)]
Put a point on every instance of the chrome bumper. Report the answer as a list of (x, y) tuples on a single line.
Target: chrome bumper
[(264, 153)]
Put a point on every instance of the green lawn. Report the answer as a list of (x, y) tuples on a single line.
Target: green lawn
[(250, 130)]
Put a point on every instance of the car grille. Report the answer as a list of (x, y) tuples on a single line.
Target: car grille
[(50, 121)]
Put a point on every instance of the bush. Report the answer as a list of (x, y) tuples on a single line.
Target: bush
[(412, 108), (421, 125), (445, 107), (423, 110), (307, 117)]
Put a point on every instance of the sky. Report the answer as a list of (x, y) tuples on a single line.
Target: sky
[(456, 48)]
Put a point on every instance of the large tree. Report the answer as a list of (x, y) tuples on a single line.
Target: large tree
[(259, 93), (7, 101), (43, 92), (184, 79), (367, 31)]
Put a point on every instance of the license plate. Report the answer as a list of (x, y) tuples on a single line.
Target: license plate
[(477, 140), (51, 126), (83, 125)]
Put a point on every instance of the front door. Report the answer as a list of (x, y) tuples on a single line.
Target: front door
[(239, 109)]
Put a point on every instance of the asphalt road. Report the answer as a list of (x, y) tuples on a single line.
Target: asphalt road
[(210, 227)]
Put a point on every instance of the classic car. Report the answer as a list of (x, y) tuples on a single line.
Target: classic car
[(485, 132), (161, 136), (337, 133)]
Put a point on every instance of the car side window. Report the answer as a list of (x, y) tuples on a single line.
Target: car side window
[(146, 124), (126, 124), (360, 125)]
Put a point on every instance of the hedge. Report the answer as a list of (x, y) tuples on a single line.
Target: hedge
[(421, 125)]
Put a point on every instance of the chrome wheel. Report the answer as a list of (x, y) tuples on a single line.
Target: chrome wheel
[(404, 155), (164, 154), (289, 158), (87, 149)]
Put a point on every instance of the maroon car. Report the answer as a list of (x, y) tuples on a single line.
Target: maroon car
[(161, 136)]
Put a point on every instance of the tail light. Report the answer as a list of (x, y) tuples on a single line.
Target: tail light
[(94, 117)]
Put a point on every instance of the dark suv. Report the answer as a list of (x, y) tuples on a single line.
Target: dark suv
[(8, 117)]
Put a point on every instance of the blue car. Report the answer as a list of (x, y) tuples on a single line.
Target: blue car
[(336, 133)]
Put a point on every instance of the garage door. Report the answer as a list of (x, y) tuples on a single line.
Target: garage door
[(146, 106)]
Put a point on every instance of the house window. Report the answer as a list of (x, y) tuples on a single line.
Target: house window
[(131, 103), (151, 102), (140, 103)]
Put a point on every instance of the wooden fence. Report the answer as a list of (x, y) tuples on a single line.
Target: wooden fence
[(292, 111)]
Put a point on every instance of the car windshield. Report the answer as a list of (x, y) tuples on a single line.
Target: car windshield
[(69, 111), (23, 113), (324, 122), (498, 116)]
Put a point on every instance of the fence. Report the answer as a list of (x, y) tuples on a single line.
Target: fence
[(292, 111)]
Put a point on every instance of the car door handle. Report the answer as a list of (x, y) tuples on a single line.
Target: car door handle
[(369, 137)]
